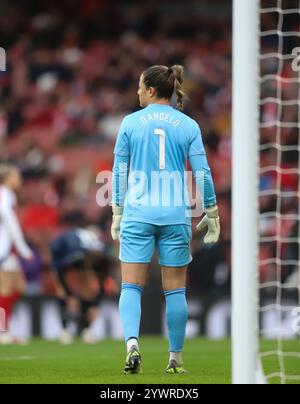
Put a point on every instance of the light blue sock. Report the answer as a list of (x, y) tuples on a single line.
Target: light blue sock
[(130, 309), (177, 315)]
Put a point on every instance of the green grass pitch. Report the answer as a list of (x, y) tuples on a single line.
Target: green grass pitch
[(208, 362)]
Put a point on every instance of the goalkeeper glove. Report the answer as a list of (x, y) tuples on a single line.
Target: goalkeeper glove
[(116, 224), (212, 221)]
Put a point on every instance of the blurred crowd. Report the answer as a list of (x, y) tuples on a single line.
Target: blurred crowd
[(72, 75)]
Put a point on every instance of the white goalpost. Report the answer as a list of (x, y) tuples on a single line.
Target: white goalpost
[(245, 190), (266, 191)]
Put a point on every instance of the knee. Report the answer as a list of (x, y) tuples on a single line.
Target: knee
[(173, 278), (5, 286)]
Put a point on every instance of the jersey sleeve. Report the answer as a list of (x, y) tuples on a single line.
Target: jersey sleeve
[(121, 166), (10, 222), (120, 180), (5, 203), (122, 143), (13, 228), (204, 180), (196, 147), (200, 167)]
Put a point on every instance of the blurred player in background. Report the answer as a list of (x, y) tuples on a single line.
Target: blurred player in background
[(158, 139), (83, 268), (12, 245)]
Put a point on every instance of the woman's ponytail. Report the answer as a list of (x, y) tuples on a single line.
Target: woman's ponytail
[(178, 71)]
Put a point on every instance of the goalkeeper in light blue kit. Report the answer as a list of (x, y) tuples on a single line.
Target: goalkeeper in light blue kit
[(151, 208)]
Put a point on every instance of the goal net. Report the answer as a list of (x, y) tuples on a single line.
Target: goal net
[(279, 189), (266, 192)]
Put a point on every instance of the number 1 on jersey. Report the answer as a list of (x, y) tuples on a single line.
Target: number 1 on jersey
[(162, 147)]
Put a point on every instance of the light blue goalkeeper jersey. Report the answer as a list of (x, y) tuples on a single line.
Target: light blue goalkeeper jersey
[(153, 147)]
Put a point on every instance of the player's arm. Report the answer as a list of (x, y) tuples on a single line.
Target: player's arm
[(205, 184), (120, 179), (119, 185), (14, 231)]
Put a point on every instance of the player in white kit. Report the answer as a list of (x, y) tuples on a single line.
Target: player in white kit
[(12, 245)]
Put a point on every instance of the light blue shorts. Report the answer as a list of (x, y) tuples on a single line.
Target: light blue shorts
[(138, 241)]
